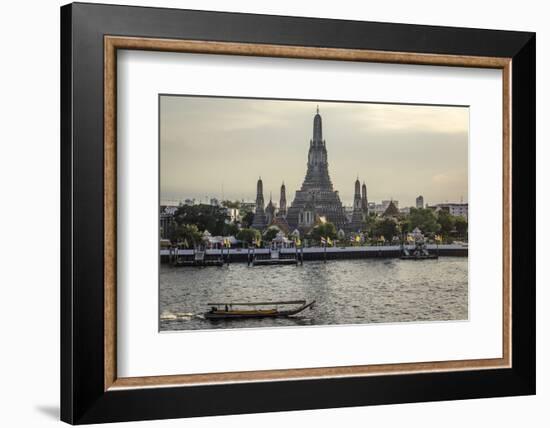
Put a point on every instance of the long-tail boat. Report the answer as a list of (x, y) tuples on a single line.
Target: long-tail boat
[(236, 310)]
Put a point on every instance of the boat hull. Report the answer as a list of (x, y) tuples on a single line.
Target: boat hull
[(219, 315)]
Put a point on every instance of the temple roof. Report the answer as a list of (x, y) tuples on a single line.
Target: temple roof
[(391, 211)]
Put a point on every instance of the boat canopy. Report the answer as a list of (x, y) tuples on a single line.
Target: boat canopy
[(287, 302)]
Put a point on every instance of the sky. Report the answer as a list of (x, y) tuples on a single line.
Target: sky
[(214, 147)]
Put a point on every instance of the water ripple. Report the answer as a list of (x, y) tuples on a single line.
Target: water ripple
[(346, 291)]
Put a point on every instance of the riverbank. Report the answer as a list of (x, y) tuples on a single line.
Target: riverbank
[(241, 255)]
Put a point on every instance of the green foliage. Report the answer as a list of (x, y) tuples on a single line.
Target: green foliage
[(247, 219), (231, 204), (461, 226), (248, 236), (369, 224), (188, 234), (386, 227), (406, 225), (204, 217), (230, 229), (446, 222), (271, 233), (424, 219), (324, 230)]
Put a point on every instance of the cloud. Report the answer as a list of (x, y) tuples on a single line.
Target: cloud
[(399, 150)]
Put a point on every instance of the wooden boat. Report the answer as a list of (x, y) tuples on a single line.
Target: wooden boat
[(250, 309)]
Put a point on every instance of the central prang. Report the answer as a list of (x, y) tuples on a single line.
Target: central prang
[(315, 200)]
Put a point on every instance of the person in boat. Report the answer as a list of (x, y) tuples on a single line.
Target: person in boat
[(226, 308)]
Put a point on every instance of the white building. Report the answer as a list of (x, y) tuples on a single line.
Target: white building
[(233, 214), (456, 209)]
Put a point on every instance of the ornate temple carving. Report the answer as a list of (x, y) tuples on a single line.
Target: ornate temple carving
[(317, 197)]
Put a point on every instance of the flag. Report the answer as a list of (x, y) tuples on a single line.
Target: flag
[(438, 238), (323, 241), (357, 238), (410, 238), (329, 241), (298, 242)]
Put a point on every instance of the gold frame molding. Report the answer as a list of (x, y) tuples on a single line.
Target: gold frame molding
[(113, 43)]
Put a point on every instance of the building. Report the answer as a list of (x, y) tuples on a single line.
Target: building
[(381, 208), (166, 220), (282, 201), (260, 221), (358, 208), (317, 197), (392, 210), (270, 211), (364, 201), (247, 207), (420, 202), (316, 200), (233, 214), (455, 209)]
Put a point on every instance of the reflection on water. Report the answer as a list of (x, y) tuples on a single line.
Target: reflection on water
[(346, 291)]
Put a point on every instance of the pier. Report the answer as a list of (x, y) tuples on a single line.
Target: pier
[(275, 256), (217, 257), (178, 257)]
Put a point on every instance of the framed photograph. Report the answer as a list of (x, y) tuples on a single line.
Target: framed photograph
[(267, 213)]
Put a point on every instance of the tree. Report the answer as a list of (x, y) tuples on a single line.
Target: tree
[(406, 226), (424, 219), (230, 229), (386, 227), (247, 220), (271, 233), (461, 226), (324, 230), (231, 204), (368, 223), (188, 233), (205, 217), (248, 236), (446, 222)]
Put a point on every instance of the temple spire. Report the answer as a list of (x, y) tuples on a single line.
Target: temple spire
[(282, 201), (316, 196), (317, 127), (364, 199), (259, 222), (357, 215)]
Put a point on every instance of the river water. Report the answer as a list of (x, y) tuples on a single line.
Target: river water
[(346, 292)]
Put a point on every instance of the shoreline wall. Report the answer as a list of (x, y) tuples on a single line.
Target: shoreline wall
[(237, 255)]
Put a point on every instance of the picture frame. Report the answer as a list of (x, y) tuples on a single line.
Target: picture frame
[(91, 391)]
